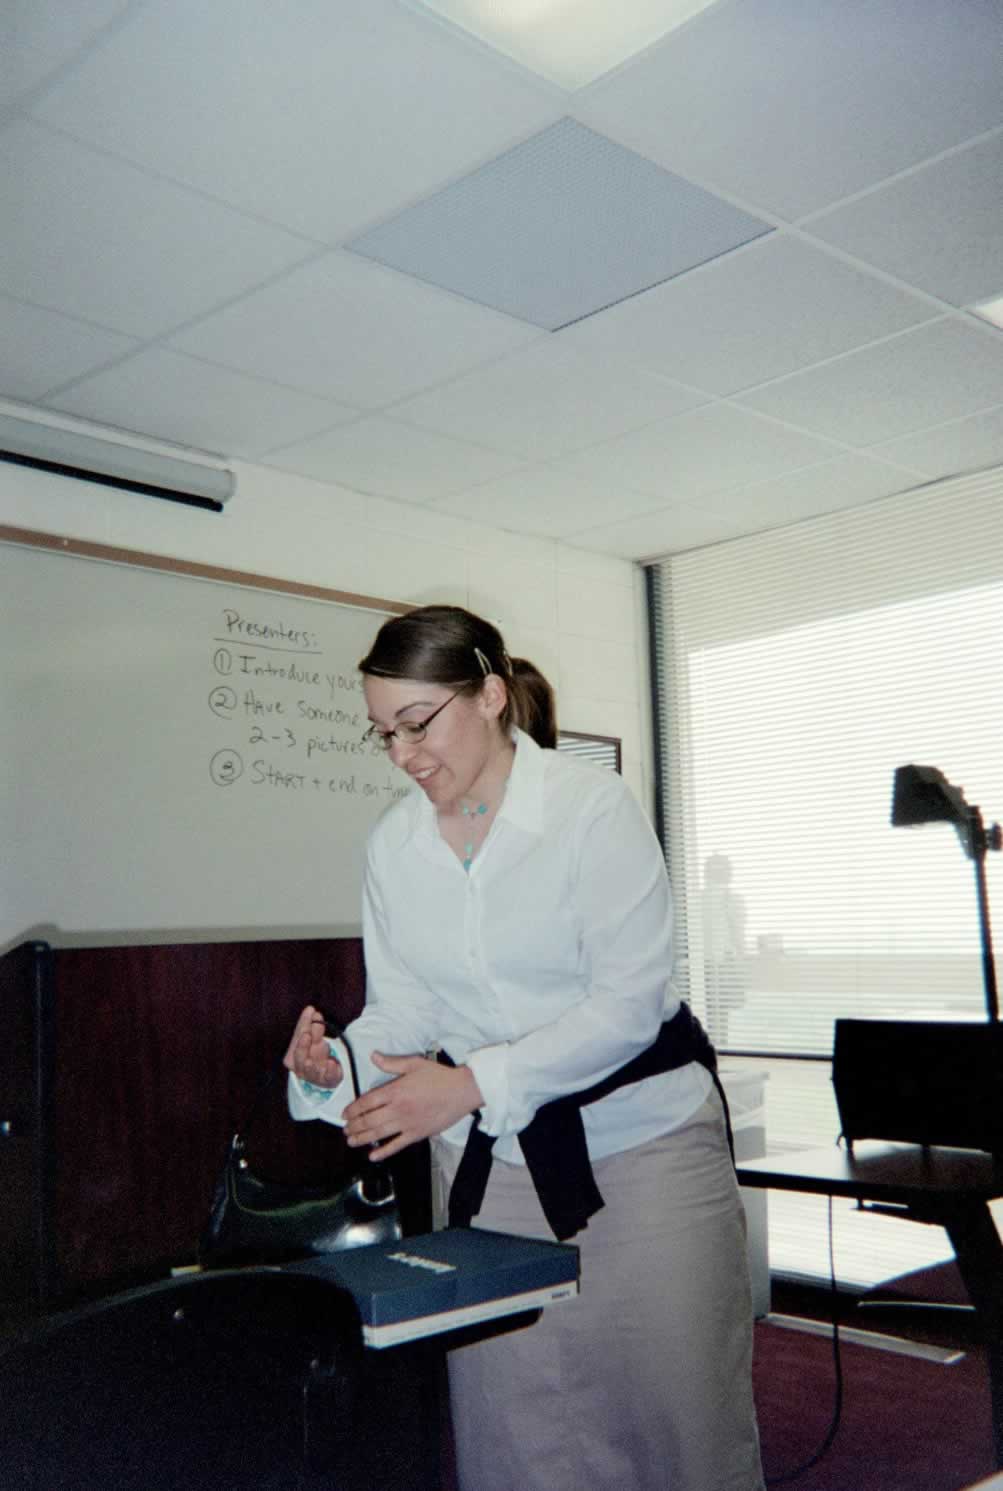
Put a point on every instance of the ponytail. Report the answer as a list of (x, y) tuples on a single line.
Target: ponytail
[(533, 705)]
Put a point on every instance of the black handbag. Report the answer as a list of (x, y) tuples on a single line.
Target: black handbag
[(257, 1220)]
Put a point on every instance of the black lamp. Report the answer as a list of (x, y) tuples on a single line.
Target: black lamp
[(928, 1082), (923, 794)]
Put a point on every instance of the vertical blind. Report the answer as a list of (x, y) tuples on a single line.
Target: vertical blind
[(794, 671)]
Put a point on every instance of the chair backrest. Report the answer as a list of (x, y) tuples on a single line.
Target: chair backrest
[(920, 1082)]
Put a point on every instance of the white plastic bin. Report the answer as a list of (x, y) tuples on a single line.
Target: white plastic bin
[(745, 1091)]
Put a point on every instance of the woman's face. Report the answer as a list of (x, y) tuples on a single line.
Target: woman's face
[(461, 754)]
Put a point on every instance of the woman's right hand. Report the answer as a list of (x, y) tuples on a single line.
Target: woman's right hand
[(309, 1055)]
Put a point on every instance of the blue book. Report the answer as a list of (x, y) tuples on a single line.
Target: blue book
[(439, 1281)]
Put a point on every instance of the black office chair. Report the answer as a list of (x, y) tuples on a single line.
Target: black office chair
[(251, 1378)]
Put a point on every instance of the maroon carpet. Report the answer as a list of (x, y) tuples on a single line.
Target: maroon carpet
[(907, 1424)]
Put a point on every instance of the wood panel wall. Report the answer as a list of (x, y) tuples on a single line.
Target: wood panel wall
[(128, 1069)]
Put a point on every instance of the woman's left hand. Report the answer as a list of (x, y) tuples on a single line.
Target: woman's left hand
[(423, 1099)]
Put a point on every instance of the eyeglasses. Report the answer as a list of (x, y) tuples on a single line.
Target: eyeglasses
[(406, 732)]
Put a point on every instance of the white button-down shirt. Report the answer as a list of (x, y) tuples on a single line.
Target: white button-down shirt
[(545, 967)]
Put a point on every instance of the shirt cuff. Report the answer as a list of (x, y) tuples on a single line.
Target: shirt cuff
[(489, 1065), (307, 1100)]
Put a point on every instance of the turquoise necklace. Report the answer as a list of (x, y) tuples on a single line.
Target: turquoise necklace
[(473, 813)]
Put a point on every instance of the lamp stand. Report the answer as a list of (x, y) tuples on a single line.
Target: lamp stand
[(980, 840)]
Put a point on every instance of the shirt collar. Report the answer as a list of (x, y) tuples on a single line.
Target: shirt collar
[(523, 801), (523, 804)]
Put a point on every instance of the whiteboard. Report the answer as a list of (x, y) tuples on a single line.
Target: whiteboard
[(182, 753)]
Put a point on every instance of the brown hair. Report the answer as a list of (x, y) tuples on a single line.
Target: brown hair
[(453, 647), (537, 708)]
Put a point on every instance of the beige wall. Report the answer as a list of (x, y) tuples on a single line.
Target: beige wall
[(579, 616)]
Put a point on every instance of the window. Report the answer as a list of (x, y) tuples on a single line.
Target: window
[(795, 670)]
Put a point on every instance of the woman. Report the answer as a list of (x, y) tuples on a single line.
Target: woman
[(516, 914)]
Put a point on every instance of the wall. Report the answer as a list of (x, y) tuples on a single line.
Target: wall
[(579, 616)]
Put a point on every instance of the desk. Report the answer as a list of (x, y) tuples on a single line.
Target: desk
[(250, 1377), (949, 1188)]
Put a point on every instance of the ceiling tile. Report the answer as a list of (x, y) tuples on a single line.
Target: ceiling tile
[(791, 107), (391, 460), (42, 349), (684, 459), (546, 400), (842, 482), (37, 36), (371, 105), (178, 398), (922, 377), (940, 227), (354, 332), (970, 444), (109, 244), (559, 227), (845, 481), (547, 501), (773, 307), (670, 529)]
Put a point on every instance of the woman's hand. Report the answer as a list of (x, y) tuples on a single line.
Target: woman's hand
[(423, 1099), (309, 1056)]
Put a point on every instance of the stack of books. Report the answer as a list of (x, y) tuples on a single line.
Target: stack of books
[(441, 1281)]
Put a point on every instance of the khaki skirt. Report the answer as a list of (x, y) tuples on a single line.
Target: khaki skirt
[(644, 1383)]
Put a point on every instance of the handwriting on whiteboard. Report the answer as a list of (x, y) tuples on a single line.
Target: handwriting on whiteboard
[(289, 721)]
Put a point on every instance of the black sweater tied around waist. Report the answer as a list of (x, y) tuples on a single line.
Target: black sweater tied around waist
[(554, 1143)]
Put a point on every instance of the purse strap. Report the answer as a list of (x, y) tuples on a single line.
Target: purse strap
[(377, 1182)]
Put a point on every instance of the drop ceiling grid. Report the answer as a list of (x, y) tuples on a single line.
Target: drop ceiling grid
[(939, 227), (828, 99), (942, 370), (390, 459), (547, 399), (960, 445), (774, 306), (43, 349), (185, 400), (548, 501), (321, 118), (350, 330), (102, 235), (558, 228), (692, 455), (876, 136)]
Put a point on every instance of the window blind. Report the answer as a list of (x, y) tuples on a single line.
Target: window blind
[(794, 671), (601, 750)]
